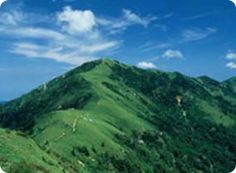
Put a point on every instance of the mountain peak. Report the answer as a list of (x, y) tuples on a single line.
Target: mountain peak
[(87, 66), (208, 80), (104, 115), (230, 80)]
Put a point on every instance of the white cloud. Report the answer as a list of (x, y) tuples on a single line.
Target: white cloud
[(197, 34), (76, 21), (128, 18), (146, 65), (234, 1), (173, 54), (30, 32), (150, 46), (58, 54), (11, 18), (200, 15), (135, 19), (231, 65), (15, 17), (231, 55), (67, 51), (98, 47), (73, 41), (2, 1), (74, 37)]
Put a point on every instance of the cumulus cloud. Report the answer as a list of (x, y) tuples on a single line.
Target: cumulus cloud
[(76, 21), (231, 55), (197, 33), (2, 1), (73, 40), (74, 36), (146, 65), (231, 65), (233, 1), (172, 54)]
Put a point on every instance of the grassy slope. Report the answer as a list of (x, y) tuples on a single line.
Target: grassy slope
[(128, 117), (17, 149), (95, 125)]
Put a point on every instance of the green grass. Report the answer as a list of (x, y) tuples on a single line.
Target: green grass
[(16, 148), (111, 117), (216, 115), (107, 115)]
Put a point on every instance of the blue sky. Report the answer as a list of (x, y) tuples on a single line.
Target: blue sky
[(42, 39)]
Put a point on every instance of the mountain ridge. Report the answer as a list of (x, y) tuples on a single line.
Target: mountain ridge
[(87, 66), (106, 116)]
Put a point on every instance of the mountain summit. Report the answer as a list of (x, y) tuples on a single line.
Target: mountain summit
[(105, 116)]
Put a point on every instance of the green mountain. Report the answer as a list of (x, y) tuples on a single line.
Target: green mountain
[(2, 102), (105, 116)]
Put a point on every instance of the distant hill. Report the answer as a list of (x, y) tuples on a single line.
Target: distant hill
[(2, 102), (105, 116)]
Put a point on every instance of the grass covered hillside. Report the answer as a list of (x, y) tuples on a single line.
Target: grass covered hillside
[(105, 116)]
